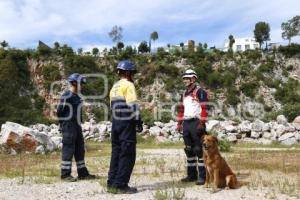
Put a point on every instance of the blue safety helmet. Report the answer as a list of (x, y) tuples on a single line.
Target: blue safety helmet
[(75, 77), (126, 65)]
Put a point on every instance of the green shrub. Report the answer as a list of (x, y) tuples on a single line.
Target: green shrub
[(249, 88), (253, 55), (224, 145), (232, 96), (266, 68), (148, 117), (290, 68), (228, 79), (290, 50), (215, 80), (291, 111), (50, 73), (245, 70), (288, 93), (80, 64)]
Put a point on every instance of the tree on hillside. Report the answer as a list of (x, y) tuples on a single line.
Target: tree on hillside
[(79, 51), (120, 46), (231, 41), (181, 45), (116, 33), (143, 47), (291, 28), (153, 36), (262, 33), (4, 44), (56, 45), (67, 50), (95, 51), (205, 46)]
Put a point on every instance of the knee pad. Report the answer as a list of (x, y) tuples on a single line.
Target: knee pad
[(188, 150)]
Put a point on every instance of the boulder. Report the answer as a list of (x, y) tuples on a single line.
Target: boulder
[(230, 128), (57, 140), (281, 119), (286, 136), (17, 137), (159, 124), (255, 134), (257, 125), (44, 139), (231, 138), (40, 150), (289, 141), (267, 135), (211, 124), (245, 127), (297, 120), (279, 129), (154, 131), (264, 141)]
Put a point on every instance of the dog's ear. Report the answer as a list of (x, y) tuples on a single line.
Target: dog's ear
[(215, 139)]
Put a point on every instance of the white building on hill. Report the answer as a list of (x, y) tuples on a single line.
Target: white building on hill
[(241, 44)]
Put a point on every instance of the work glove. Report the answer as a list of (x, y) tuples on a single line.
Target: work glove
[(179, 128), (60, 128), (139, 127), (201, 128)]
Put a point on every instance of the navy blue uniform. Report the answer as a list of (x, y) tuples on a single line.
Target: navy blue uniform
[(69, 113), (123, 136), (192, 116)]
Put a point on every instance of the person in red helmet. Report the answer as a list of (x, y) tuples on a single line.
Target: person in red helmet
[(191, 121)]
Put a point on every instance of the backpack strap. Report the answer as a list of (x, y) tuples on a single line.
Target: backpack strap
[(194, 93)]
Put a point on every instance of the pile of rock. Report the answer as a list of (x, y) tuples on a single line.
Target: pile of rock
[(257, 131), (40, 138)]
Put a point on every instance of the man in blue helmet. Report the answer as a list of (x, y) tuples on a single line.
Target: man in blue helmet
[(126, 120), (69, 115)]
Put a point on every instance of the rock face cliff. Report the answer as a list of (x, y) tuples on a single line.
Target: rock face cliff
[(254, 82)]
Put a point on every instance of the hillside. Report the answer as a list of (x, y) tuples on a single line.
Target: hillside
[(242, 85)]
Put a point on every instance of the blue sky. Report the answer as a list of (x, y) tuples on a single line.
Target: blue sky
[(86, 23)]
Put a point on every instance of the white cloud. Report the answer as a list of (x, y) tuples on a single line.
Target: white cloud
[(23, 22)]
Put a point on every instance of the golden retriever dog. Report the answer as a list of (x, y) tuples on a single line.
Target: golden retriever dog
[(217, 170)]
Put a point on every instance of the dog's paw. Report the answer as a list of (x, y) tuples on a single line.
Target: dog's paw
[(214, 190), (227, 188), (206, 185)]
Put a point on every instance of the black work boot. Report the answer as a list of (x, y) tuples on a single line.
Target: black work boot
[(191, 174), (202, 174), (121, 190), (188, 179), (127, 190), (69, 178), (87, 177)]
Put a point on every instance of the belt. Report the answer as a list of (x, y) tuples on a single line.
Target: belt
[(191, 119)]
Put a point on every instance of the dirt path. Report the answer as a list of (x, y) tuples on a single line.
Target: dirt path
[(150, 186), (90, 190)]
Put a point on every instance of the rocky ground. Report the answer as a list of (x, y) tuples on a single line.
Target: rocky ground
[(89, 190), (160, 180)]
